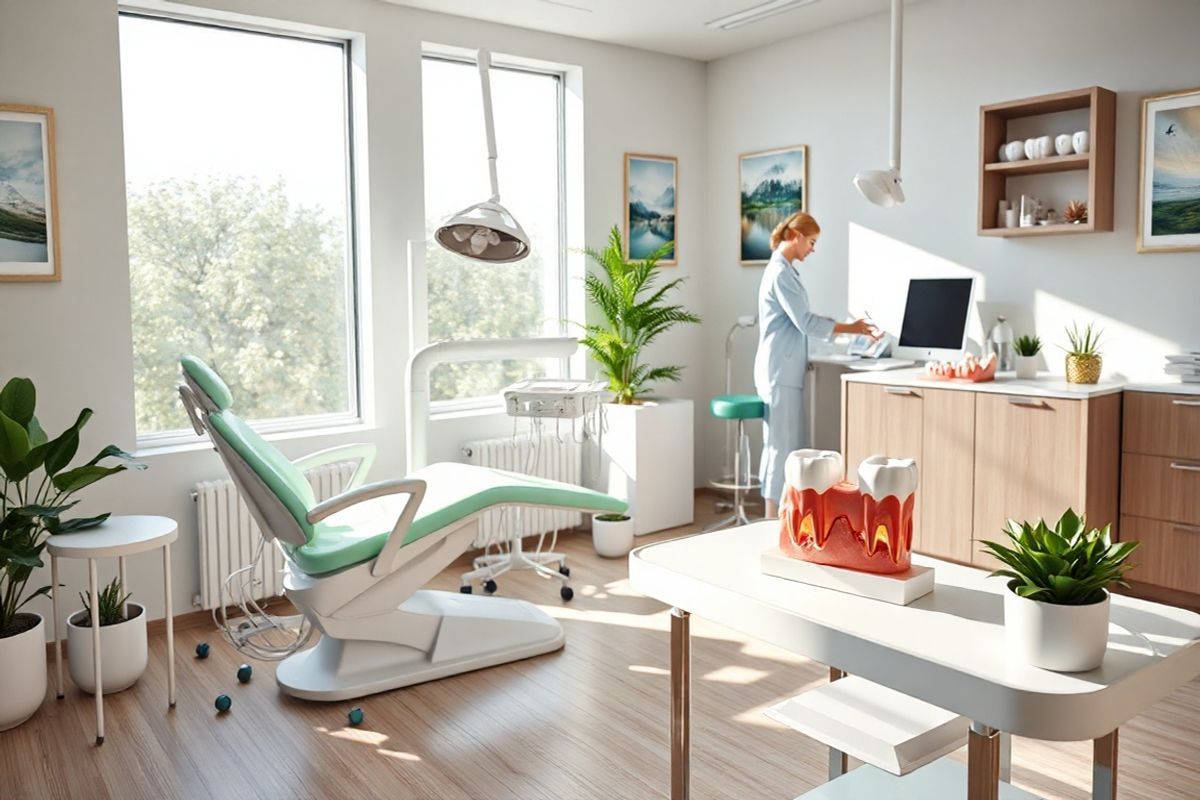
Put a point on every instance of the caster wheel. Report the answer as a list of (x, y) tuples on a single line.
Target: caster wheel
[(563, 569), (244, 672), (489, 586), (202, 650), (566, 593), (465, 589)]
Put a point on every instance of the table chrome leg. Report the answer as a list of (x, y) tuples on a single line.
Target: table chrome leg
[(57, 623), (1104, 767), (1006, 757), (983, 763), (681, 702), (96, 655), (121, 574), (170, 626), (839, 762)]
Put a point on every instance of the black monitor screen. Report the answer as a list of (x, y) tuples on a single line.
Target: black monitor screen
[(935, 314)]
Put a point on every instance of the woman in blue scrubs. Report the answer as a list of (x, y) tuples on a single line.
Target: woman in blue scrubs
[(784, 325)]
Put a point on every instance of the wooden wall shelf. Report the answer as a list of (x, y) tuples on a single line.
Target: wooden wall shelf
[(1097, 162)]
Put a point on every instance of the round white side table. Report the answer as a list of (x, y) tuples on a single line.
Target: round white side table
[(117, 537)]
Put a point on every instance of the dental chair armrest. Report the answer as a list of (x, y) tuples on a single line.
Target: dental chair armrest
[(362, 494), (363, 453)]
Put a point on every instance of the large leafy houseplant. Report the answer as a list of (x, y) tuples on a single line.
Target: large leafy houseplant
[(37, 490), (1064, 565), (635, 314)]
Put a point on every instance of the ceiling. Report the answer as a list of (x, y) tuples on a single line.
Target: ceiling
[(665, 26)]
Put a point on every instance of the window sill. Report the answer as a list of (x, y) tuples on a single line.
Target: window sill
[(195, 443)]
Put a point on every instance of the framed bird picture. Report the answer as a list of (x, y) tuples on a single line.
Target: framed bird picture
[(1169, 196)]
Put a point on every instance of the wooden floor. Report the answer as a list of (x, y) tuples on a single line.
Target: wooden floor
[(590, 721)]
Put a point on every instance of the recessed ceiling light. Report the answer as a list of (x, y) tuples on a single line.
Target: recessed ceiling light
[(756, 13)]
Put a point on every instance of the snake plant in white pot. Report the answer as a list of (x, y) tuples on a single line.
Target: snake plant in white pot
[(1057, 604), (32, 506)]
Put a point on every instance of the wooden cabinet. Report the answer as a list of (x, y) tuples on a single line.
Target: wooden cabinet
[(986, 457), (1160, 488)]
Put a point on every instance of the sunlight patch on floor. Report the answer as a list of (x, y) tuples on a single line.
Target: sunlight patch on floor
[(398, 755), (644, 670), (355, 735), (736, 675)]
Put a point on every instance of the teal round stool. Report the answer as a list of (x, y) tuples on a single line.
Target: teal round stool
[(740, 407)]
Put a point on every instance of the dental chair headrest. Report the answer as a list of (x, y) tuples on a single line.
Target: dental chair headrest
[(204, 378)]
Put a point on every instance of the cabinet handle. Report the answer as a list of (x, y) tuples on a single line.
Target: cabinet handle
[(1181, 528), (1194, 403), (1185, 467), (900, 390), (1027, 402)]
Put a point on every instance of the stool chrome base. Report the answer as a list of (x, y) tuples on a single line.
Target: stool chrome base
[(739, 516)]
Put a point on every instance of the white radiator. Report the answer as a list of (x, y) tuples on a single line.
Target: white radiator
[(229, 536), (559, 460)]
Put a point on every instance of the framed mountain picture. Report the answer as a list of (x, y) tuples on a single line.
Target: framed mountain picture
[(28, 204), (774, 185), (1169, 197), (650, 186)]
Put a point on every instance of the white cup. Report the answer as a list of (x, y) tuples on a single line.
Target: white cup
[(1015, 150), (1031, 148), (1080, 141), (1062, 144), (1002, 156), (1045, 146), (1010, 218)]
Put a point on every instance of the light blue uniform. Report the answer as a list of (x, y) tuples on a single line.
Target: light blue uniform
[(784, 325)]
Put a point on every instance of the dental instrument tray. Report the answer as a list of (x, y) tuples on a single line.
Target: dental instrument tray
[(545, 397)]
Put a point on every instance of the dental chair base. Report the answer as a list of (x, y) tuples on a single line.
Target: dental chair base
[(463, 633)]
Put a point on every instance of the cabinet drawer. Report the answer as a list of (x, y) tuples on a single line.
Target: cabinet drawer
[(1154, 487), (1169, 554), (1162, 424)]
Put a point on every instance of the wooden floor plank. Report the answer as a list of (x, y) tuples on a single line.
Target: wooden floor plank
[(587, 723)]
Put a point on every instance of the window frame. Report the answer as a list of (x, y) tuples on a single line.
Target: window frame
[(311, 423), (487, 404)]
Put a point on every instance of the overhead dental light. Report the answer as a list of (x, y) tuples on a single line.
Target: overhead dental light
[(485, 231), (882, 186)]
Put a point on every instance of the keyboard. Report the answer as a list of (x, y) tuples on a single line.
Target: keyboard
[(879, 364)]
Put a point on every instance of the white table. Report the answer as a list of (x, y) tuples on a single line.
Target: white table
[(946, 648), (116, 537)]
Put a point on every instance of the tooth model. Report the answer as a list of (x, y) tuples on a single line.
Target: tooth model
[(827, 520)]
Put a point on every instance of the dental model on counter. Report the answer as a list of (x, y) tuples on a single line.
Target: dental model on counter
[(827, 520), (969, 368)]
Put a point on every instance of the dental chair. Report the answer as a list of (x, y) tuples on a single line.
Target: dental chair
[(356, 562)]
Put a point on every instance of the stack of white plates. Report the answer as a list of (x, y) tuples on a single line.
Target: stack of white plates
[(1185, 365)]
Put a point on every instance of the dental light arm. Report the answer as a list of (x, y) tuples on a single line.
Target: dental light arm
[(363, 453), (384, 562)]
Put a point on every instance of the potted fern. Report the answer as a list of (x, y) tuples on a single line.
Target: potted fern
[(1083, 356), (122, 641), (1057, 603), (37, 490), (1027, 348), (647, 443)]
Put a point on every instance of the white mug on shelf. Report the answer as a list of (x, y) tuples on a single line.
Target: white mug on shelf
[(1002, 214), (1031, 148), (1080, 141), (1015, 150), (1045, 146), (1010, 218), (1002, 156), (1062, 144)]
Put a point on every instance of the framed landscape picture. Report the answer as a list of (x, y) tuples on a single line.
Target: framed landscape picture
[(651, 183), (28, 204), (773, 186), (1169, 196)]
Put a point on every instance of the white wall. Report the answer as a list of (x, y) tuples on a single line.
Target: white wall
[(829, 90), (73, 338)]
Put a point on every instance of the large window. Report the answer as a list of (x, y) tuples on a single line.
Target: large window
[(468, 300), (241, 220)]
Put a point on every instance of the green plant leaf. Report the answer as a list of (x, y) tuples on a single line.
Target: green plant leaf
[(37, 436), (75, 479), (17, 400), (14, 447), (63, 448), (78, 524)]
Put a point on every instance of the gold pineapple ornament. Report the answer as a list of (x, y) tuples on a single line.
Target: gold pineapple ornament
[(1076, 211)]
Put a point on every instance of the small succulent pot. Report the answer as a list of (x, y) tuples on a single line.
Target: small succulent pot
[(1083, 369), (1056, 637), (1027, 367), (612, 534), (123, 651)]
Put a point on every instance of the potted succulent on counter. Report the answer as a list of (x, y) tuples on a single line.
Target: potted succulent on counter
[(1057, 603), (1027, 348), (122, 641), (1083, 356), (33, 506)]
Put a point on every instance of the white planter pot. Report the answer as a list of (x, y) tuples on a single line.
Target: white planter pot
[(23, 665), (1027, 367), (1056, 637), (122, 648), (612, 538), (646, 459)]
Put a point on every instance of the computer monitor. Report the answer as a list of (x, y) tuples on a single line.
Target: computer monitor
[(935, 319)]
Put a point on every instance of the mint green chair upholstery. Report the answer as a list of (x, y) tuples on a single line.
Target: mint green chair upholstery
[(737, 406)]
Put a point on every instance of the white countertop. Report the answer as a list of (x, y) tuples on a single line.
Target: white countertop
[(1176, 387), (1005, 383)]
